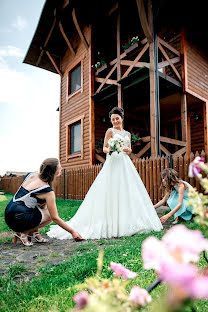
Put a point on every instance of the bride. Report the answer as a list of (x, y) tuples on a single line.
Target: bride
[(117, 204)]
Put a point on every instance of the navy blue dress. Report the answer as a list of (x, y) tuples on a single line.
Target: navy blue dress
[(23, 211)]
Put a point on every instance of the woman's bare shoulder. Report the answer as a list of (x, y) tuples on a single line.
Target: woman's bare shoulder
[(109, 131), (34, 181), (181, 185)]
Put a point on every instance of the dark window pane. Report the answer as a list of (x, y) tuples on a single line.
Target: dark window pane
[(75, 138), (75, 79)]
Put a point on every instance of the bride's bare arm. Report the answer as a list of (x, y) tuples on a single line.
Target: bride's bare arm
[(128, 149), (108, 135)]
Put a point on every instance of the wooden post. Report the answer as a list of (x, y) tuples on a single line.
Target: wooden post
[(205, 117), (91, 100), (184, 118), (120, 99), (153, 98), (188, 150)]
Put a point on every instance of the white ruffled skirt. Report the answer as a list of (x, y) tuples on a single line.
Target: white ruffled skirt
[(117, 204)]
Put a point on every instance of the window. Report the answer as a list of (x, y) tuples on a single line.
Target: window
[(75, 79), (74, 138)]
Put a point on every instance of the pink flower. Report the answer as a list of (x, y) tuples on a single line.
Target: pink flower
[(154, 253), (81, 299), (119, 269), (199, 287), (179, 274), (186, 276), (188, 243), (195, 167), (140, 296)]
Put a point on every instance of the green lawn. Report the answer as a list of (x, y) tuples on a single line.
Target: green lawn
[(50, 290)]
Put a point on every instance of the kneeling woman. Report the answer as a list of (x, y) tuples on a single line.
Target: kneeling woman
[(176, 196), (34, 205)]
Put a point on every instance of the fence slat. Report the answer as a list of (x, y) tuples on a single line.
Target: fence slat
[(79, 180)]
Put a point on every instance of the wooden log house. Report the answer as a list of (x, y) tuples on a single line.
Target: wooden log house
[(160, 80)]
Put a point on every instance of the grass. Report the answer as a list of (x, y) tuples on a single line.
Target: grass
[(52, 289)]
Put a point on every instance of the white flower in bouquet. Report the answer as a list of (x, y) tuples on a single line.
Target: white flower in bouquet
[(116, 144)]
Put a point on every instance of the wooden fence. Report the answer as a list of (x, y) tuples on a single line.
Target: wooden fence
[(75, 183)]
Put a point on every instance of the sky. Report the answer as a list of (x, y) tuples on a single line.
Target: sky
[(29, 96)]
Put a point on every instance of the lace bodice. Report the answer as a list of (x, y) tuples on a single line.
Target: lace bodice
[(122, 133)]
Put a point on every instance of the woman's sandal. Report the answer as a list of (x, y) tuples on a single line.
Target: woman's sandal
[(23, 238), (176, 221), (35, 236)]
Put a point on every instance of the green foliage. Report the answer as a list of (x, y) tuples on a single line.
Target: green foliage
[(52, 290), (134, 138), (199, 200), (130, 42), (16, 270), (99, 144), (99, 64)]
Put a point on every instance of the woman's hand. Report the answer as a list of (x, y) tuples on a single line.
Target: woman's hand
[(76, 236), (127, 150), (164, 218), (106, 150)]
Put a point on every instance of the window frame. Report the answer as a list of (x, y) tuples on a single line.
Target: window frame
[(68, 125), (70, 69)]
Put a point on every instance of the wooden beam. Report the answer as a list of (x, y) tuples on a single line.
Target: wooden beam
[(146, 139), (65, 4), (167, 121), (66, 39), (169, 61), (143, 20), (46, 41), (108, 81), (164, 150), (143, 150), (179, 152), (100, 158), (172, 141), (184, 117), (166, 63), (138, 64), (136, 60), (188, 148), (168, 46), (120, 99), (113, 8), (183, 70), (170, 79), (54, 64), (91, 99), (106, 78), (82, 36), (153, 116), (144, 41), (150, 17), (205, 118)]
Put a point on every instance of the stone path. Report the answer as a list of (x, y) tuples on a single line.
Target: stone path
[(52, 253), (32, 258)]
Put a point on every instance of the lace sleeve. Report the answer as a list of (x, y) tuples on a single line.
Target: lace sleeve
[(129, 134)]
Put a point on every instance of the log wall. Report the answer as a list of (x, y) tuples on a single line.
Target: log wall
[(196, 66), (76, 105)]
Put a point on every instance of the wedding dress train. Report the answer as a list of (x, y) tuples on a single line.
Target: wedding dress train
[(117, 204)]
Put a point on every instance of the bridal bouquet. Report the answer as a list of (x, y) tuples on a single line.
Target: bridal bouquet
[(116, 144)]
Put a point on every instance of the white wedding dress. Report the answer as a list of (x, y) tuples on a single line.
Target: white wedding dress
[(117, 204)]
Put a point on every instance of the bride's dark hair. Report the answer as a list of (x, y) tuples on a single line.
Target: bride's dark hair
[(117, 110)]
